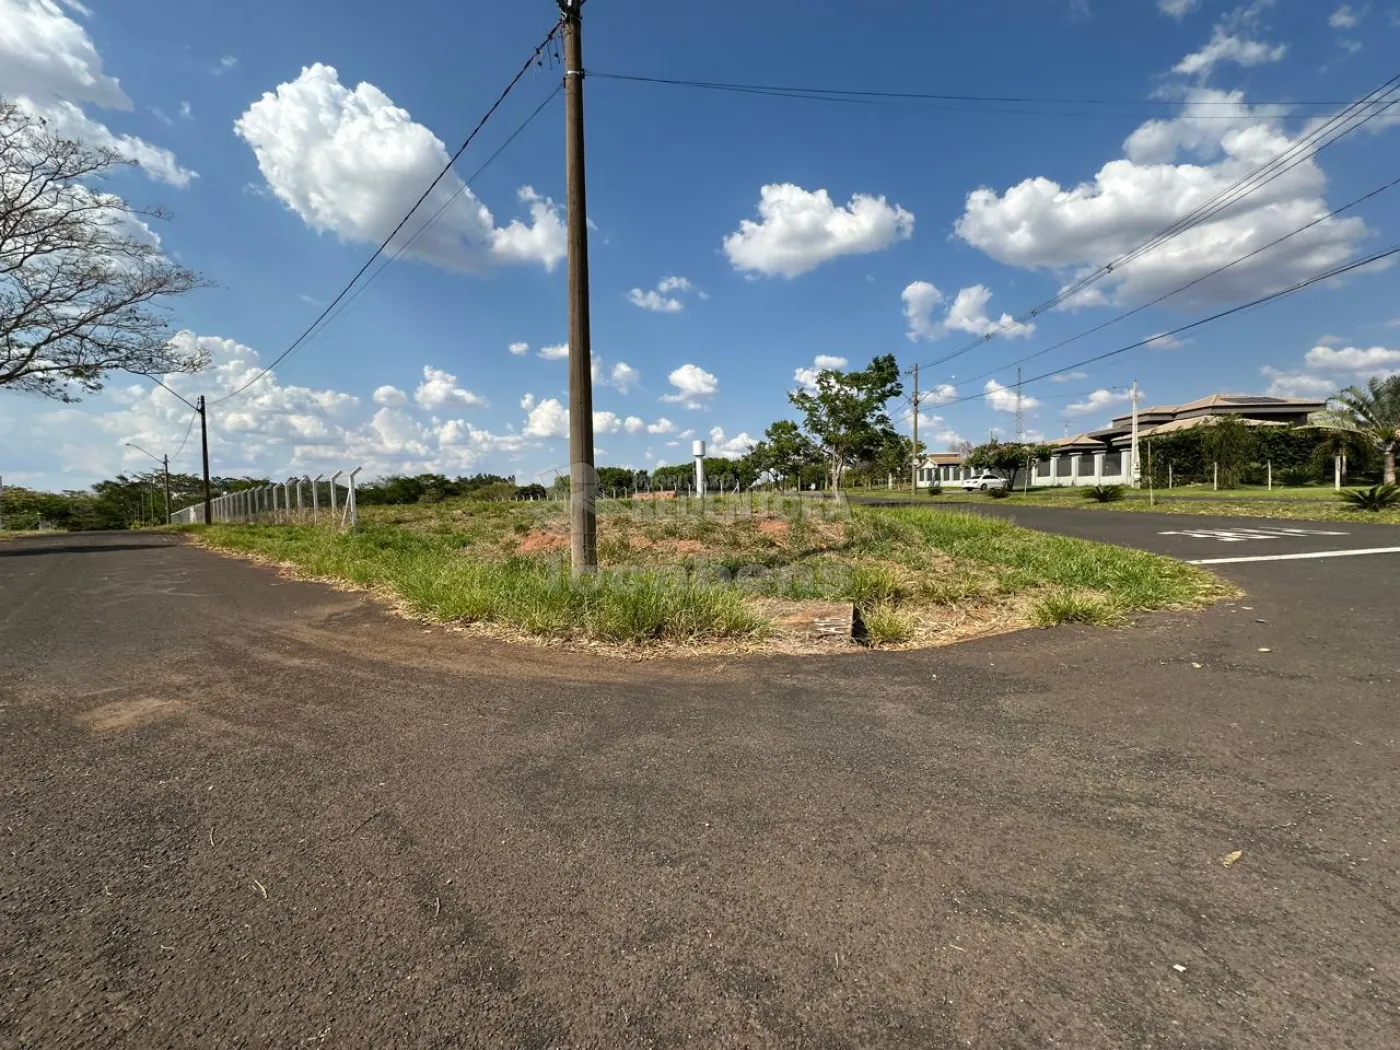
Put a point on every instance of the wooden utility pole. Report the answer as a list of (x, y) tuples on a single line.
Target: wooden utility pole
[(204, 441), (583, 479), (915, 482)]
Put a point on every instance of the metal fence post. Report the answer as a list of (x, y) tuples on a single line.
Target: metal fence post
[(334, 478), (301, 507), (316, 497), (352, 508)]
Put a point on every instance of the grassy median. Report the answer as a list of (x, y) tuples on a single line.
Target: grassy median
[(675, 575)]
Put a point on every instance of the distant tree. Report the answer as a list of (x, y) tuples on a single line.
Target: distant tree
[(1372, 412), (1007, 458), (784, 452), (616, 479), (532, 491), (495, 492), (82, 280), (845, 416), (1229, 443)]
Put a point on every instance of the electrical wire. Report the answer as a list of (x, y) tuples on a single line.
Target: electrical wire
[(1266, 173), (402, 222), (1190, 284), (852, 94), (188, 430), (1327, 275)]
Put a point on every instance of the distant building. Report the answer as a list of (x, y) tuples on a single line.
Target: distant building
[(1101, 457), (938, 468)]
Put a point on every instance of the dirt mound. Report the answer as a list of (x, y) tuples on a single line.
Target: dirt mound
[(542, 541)]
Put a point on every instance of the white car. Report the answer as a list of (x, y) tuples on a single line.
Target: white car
[(982, 481)]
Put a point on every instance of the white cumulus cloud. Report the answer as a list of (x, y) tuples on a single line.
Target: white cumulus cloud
[(721, 447), (352, 163), (50, 66), (966, 313), (693, 386), (555, 353), (1352, 358), (439, 390), (270, 430), (1003, 398), (391, 396), (1096, 401), (519, 349), (624, 377), (661, 426), (799, 229), (806, 377), (1172, 168), (665, 298)]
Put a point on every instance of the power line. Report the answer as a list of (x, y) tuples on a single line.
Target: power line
[(188, 430), (1237, 191), (402, 222), (1327, 275), (1190, 284), (853, 94)]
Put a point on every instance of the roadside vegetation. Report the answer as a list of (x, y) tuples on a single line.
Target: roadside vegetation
[(728, 576)]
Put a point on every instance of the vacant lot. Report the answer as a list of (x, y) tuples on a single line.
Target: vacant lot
[(726, 573)]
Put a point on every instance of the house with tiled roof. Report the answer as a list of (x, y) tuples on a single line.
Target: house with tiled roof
[(1103, 457)]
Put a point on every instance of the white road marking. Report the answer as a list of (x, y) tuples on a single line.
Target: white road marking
[(1243, 534), (1296, 557)]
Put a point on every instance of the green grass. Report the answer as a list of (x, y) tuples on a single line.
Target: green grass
[(683, 578), (1066, 606)]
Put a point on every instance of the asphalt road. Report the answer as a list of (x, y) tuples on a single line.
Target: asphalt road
[(239, 811)]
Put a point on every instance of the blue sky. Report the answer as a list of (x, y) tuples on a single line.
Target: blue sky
[(288, 139)]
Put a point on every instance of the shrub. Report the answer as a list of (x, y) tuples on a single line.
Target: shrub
[(1104, 493), (1376, 498), (1000, 493), (1295, 477)]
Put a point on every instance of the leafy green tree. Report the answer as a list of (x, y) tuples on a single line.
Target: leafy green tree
[(532, 491), (1372, 413), (1229, 443), (846, 417)]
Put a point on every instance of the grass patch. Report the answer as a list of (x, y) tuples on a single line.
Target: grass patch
[(887, 625), (916, 576), (1066, 606)]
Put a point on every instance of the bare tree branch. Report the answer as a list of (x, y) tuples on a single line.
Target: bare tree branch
[(82, 277)]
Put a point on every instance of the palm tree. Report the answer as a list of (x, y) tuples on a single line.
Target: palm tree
[(1373, 412)]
